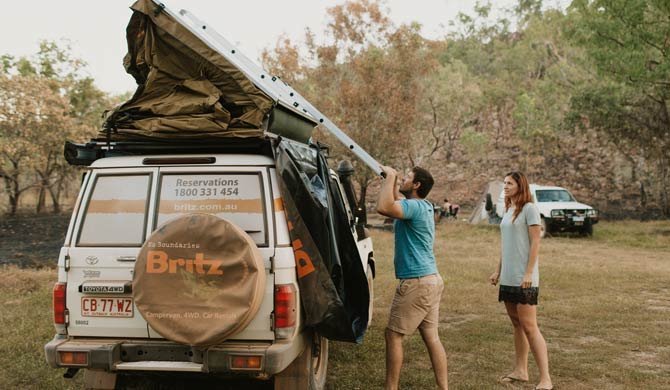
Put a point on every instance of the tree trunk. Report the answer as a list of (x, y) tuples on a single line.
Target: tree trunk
[(643, 202), (12, 186), (665, 206), (55, 196), (41, 199), (8, 190)]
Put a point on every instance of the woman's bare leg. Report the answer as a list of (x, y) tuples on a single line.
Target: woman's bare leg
[(520, 344), (528, 319)]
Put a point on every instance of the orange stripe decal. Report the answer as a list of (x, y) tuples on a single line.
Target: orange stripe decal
[(117, 206)]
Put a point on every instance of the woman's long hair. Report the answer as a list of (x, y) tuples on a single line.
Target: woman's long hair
[(521, 197)]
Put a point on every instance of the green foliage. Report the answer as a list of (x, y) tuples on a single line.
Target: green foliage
[(475, 143), (46, 99), (627, 43)]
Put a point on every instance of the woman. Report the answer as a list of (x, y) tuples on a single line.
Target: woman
[(519, 278)]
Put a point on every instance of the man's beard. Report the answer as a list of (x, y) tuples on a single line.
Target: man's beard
[(406, 193)]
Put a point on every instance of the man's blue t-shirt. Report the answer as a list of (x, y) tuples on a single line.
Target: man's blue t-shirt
[(414, 238)]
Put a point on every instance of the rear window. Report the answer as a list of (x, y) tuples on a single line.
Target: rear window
[(237, 197), (116, 211)]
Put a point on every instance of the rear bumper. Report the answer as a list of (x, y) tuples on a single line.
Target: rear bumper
[(117, 355)]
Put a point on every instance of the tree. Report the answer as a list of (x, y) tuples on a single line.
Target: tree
[(454, 100), (71, 107), (627, 41), (32, 115), (366, 77)]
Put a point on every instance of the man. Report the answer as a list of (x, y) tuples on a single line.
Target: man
[(417, 298)]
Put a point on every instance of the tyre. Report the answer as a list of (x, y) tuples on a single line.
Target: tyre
[(198, 280), (308, 371), (587, 230), (543, 227)]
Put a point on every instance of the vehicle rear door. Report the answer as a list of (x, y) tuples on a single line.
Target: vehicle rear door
[(111, 225), (241, 195)]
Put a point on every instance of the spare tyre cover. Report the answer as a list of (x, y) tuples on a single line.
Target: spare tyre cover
[(198, 280)]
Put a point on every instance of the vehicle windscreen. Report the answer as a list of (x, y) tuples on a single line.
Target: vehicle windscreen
[(554, 196), (237, 197)]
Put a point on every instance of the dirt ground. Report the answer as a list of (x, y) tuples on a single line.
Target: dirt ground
[(32, 240)]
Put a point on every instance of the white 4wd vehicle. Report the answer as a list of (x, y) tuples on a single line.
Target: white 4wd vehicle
[(210, 237), (559, 210), (254, 318)]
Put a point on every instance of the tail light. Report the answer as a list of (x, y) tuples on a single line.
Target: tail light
[(285, 310), (239, 362), (73, 358), (59, 303)]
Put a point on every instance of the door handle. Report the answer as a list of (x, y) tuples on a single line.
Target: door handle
[(126, 258)]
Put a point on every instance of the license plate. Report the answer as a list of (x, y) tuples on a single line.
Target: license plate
[(106, 307), (578, 219)]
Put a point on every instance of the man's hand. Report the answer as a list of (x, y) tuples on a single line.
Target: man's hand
[(389, 171), (387, 205), (391, 174)]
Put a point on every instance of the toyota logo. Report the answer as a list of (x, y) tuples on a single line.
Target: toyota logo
[(91, 260)]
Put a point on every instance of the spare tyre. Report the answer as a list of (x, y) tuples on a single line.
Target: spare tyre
[(198, 280)]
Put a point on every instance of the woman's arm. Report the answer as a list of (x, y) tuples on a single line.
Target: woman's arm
[(495, 276), (534, 237)]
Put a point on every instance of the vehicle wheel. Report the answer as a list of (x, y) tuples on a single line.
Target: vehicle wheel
[(308, 371), (543, 227), (214, 292), (587, 230), (371, 290)]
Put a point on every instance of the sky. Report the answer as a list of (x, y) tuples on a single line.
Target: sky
[(96, 28)]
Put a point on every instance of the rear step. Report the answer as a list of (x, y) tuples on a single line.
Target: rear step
[(151, 365)]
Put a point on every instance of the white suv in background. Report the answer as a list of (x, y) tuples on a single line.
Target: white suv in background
[(559, 210)]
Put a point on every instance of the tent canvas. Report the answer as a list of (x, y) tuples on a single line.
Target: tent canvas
[(191, 87), (193, 83), (480, 214)]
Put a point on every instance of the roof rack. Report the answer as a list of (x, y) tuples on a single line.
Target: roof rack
[(86, 154)]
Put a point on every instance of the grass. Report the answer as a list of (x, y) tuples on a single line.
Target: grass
[(25, 326), (604, 310)]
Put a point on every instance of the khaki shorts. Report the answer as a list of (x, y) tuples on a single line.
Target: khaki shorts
[(416, 304)]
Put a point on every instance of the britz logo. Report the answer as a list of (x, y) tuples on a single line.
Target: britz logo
[(159, 263)]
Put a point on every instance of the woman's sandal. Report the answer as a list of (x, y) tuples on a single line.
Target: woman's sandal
[(544, 388), (510, 379)]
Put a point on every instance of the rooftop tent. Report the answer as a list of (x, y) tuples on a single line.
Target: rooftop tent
[(193, 84)]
